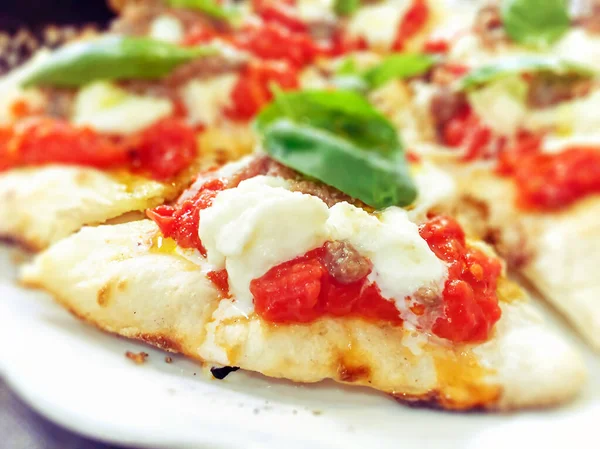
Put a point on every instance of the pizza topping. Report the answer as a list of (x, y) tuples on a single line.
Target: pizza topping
[(587, 15), (108, 109), (112, 58), (397, 66), (346, 7), (530, 65), (470, 304), (160, 151), (181, 221), (344, 263), (535, 22), (304, 289), (340, 139), (550, 181)]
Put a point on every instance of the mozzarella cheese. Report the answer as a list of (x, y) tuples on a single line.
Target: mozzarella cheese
[(260, 224), (435, 187), (402, 261), (501, 105), (579, 46), (167, 28), (206, 100), (109, 109), (312, 10), (378, 23), (256, 226)]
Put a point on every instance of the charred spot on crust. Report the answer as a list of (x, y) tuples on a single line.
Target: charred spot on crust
[(103, 295), (435, 401), (222, 373), (160, 341), (347, 373)]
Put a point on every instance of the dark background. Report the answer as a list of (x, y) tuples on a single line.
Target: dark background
[(37, 13)]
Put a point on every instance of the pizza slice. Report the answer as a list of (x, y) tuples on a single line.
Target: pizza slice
[(294, 289), (516, 123), (301, 264)]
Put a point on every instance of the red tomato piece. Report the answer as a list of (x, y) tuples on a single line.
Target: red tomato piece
[(181, 221), (470, 304), (163, 149), (413, 21), (253, 89)]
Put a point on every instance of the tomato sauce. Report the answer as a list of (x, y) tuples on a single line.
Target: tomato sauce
[(412, 23), (253, 90), (302, 290), (544, 181), (160, 151), (181, 221), (551, 181)]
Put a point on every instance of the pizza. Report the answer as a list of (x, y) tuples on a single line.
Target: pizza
[(314, 189), (511, 112)]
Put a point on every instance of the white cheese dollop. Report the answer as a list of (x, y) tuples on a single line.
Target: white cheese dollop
[(109, 109), (206, 100), (402, 261), (260, 224), (434, 186), (501, 105), (579, 46), (378, 23), (311, 10), (167, 28), (256, 226)]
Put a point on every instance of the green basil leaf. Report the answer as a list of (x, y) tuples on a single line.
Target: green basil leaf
[(346, 7), (524, 64), (399, 66), (535, 22), (112, 58), (338, 138), (208, 7)]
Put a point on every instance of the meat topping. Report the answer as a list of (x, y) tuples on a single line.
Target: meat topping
[(546, 90), (345, 263)]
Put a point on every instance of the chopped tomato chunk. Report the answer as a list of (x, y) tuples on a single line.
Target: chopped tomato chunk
[(253, 89), (549, 181), (302, 290), (181, 221), (221, 281), (413, 21), (44, 141), (160, 151), (164, 149), (470, 302)]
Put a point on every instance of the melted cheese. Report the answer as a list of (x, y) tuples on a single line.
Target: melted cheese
[(378, 23), (501, 105), (261, 224), (435, 187), (167, 28), (580, 46), (206, 100), (107, 108), (402, 261), (258, 225), (315, 10)]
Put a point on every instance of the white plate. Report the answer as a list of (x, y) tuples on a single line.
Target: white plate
[(80, 378)]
